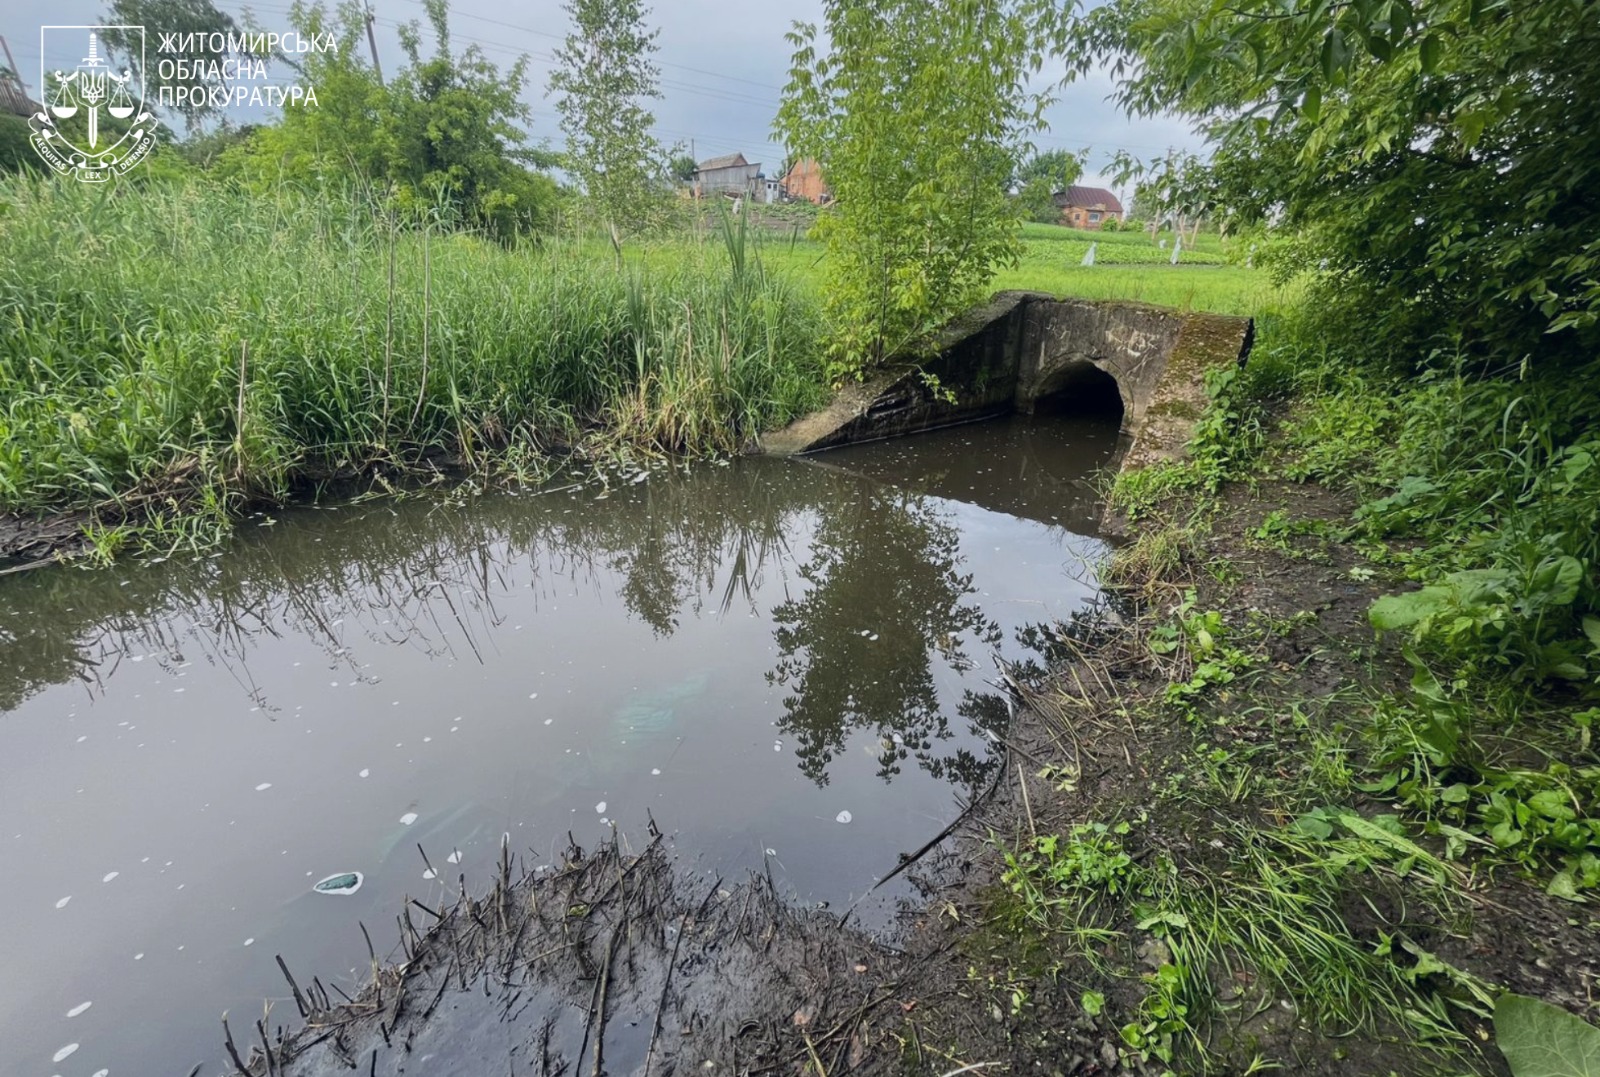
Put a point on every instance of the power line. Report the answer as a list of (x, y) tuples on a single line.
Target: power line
[(562, 37)]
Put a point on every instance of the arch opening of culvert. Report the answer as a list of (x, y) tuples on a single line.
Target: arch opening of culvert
[(1081, 388)]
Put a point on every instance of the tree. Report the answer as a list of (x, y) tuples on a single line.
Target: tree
[(1179, 189), (456, 128), (187, 21), (444, 134), (1041, 177), (1437, 157), (916, 114), (604, 74), (1059, 169), (683, 167)]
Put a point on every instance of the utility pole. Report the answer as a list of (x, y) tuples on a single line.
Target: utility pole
[(372, 43), (11, 62)]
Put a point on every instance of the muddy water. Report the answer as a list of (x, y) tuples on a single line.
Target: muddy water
[(780, 660)]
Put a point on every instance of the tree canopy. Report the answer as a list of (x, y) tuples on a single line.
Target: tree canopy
[(1039, 179), (603, 78), (1436, 156), (445, 135), (185, 20), (917, 113)]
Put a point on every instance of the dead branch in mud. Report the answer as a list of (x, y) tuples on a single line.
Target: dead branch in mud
[(557, 961)]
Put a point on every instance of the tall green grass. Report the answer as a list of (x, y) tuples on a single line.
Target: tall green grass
[(197, 333)]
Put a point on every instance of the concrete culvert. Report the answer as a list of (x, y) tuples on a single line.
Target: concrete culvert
[(1080, 388)]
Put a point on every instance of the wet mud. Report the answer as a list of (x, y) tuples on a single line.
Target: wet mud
[(34, 541)]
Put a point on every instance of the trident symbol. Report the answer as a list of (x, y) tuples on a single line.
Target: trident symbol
[(88, 85)]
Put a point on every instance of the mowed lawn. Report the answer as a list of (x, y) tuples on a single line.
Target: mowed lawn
[(1128, 266)]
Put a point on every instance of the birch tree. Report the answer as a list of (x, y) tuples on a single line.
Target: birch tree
[(604, 78)]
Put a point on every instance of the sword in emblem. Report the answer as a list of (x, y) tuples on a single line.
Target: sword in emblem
[(92, 87)]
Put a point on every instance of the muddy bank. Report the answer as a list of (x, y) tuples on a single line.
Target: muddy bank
[(31, 541), (1200, 786)]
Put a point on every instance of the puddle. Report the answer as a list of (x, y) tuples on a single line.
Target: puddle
[(770, 657)]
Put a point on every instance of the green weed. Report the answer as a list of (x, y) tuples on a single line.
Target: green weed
[(194, 335)]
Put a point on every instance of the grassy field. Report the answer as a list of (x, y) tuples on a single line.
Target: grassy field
[(1129, 265), (1123, 248)]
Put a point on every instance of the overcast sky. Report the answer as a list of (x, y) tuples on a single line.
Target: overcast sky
[(722, 69)]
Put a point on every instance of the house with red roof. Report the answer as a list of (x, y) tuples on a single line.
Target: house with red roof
[(1088, 207)]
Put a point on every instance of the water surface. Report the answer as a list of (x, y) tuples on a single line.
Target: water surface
[(782, 661)]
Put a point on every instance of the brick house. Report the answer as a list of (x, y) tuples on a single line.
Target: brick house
[(804, 180), (1088, 207)]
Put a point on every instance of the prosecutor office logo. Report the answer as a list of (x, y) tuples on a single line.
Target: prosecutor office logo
[(94, 124)]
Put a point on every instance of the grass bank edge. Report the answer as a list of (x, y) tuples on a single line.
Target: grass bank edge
[(1479, 767), (178, 351)]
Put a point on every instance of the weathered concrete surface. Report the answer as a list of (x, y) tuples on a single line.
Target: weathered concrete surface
[(1025, 347), (976, 361)]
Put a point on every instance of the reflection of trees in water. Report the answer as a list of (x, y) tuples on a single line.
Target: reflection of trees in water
[(885, 596), (425, 573), (431, 575)]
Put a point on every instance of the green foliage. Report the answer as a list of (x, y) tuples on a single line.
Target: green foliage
[(1430, 756), (1179, 189), (604, 75), (443, 139), (1541, 1040), (1503, 484), (1271, 916), (1036, 201), (915, 114), (1057, 168), (260, 340), (456, 132), (1495, 615), (1040, 178), (203, 148), (682, 167), (1229, 434), (1088, 855), (1430, 154), (16, 153), (1200, 640), (180, 18), (1491, 482)]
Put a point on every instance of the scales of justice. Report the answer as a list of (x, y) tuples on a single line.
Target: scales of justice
[(90, 85)]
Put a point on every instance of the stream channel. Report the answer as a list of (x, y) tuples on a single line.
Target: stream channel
[(786, 661)]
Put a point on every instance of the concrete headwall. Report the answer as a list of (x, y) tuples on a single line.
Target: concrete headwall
[(1024, 347)]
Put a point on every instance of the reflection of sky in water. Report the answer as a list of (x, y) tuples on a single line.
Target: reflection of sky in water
[(769, 656)]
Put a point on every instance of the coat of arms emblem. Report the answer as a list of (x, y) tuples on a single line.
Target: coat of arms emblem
[(94, 124)]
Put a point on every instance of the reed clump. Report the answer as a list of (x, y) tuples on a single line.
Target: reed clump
[(199, 334)]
